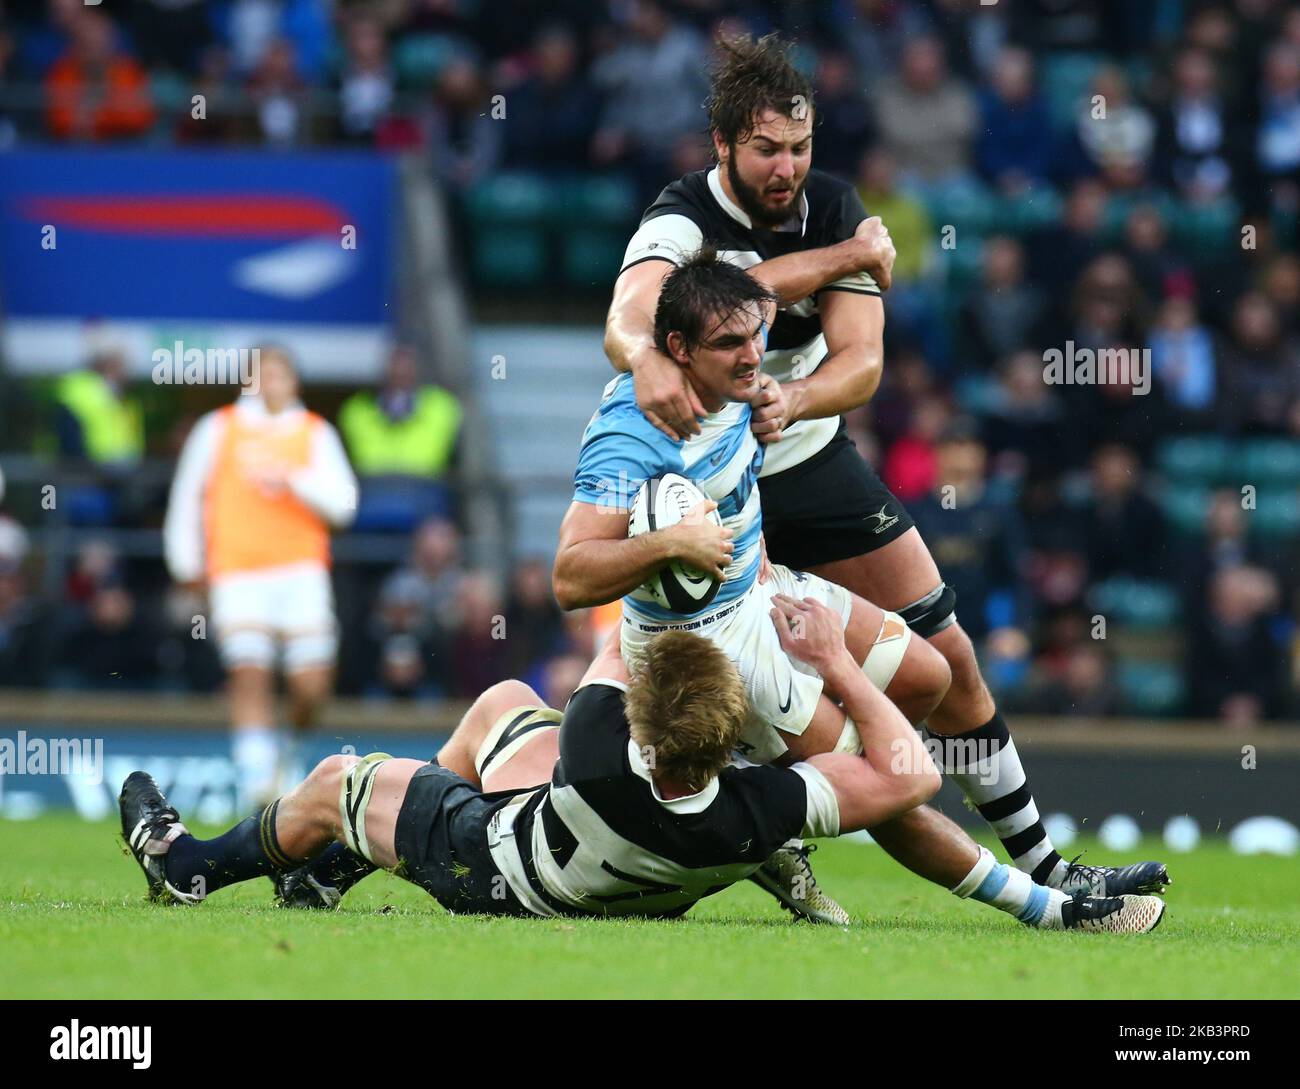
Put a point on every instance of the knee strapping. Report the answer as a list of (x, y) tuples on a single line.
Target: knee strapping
[(354, 796), (933, 613)]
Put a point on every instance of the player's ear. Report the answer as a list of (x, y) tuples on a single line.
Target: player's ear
[(720, 148), (677, 349)]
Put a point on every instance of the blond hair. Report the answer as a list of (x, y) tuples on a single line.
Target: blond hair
[(686, 706)]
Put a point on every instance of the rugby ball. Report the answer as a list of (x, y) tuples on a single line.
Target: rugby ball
[(663, 501)]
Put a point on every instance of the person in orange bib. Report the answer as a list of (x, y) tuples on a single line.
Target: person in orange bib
[(259, 486)]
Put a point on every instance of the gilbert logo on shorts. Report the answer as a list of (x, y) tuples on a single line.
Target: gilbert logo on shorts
[(111, 1043), (883, 519)]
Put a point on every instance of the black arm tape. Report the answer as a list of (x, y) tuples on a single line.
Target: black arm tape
[(932, 613)]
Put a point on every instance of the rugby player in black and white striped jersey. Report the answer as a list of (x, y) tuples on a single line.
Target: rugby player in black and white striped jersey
[(644, 814), (807, 237)]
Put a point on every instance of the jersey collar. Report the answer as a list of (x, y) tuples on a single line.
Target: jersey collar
[(738, 214), (691, 803)]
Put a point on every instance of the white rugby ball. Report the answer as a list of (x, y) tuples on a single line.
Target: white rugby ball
[(663, 501)]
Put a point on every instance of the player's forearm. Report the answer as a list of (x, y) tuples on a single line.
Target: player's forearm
[(795, 276), (596, 572), (888, 740), (629, 337), (845, 381)]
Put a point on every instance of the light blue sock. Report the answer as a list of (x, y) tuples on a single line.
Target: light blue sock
[(1008, 889)]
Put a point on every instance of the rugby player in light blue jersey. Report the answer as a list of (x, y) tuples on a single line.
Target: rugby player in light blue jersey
[(710, 319)]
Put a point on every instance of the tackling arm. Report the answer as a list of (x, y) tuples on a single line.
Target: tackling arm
[(854, 327), (894, 773)]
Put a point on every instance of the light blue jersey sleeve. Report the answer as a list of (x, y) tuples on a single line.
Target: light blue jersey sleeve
[(620, 450)]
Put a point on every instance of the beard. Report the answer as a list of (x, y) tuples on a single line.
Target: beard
[(751, 202)]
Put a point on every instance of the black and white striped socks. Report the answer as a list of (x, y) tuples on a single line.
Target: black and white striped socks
[(984, 763)]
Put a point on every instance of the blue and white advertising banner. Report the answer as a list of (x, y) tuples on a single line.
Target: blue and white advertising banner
[(223, 249)]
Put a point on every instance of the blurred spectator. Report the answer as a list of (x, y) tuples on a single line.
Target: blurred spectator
[(255, 26), (976, 538), (1056, 569), (186, 663), (1014, 148), (1224, 544), (402, 671), (927, 119), (1260, 368), (1277, 143), (1002, 313), (551, 115), (1182, 356), (876, 32), (1116, 136), (1128, 407), (406, 428), (843, 120), (1235, 668), (96, 566), (1108, 304), (561, 677), (366, 82), (912, 462), (1059, 252), (1085, 687), (279, 96), (424, 593), (911, 305), (218, 121), (24, 627), (906, 217), (1125, 528), (1157, 268), (464, 138), (1280, 282), (95, 418), (478, 649), (653, 83), (1023, 419), (95, 91), (533, 619), (109, 645), (1198, 143)]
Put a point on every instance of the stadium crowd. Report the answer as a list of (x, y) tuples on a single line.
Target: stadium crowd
[(1128, 547)]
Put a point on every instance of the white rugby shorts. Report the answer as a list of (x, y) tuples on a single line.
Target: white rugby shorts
[(782, 691), (255, 614)]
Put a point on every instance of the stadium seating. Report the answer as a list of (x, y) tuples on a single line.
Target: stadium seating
[(1195, 459), (1137, 603), (1151, 688)]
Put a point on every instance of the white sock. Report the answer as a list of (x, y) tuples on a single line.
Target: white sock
[(1007, 889), (256, 753), (291, 769)]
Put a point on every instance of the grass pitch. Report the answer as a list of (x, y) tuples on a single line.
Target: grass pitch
[(73, 924)]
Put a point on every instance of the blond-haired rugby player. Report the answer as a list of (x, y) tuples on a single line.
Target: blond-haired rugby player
[(645, 812)]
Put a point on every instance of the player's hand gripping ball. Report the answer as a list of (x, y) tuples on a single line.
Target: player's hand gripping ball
[(661, 502)]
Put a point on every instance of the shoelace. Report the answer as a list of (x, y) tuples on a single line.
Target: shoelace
[(1074, 869), (803, 853)]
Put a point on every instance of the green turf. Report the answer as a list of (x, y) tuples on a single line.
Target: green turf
[(73, 924)]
